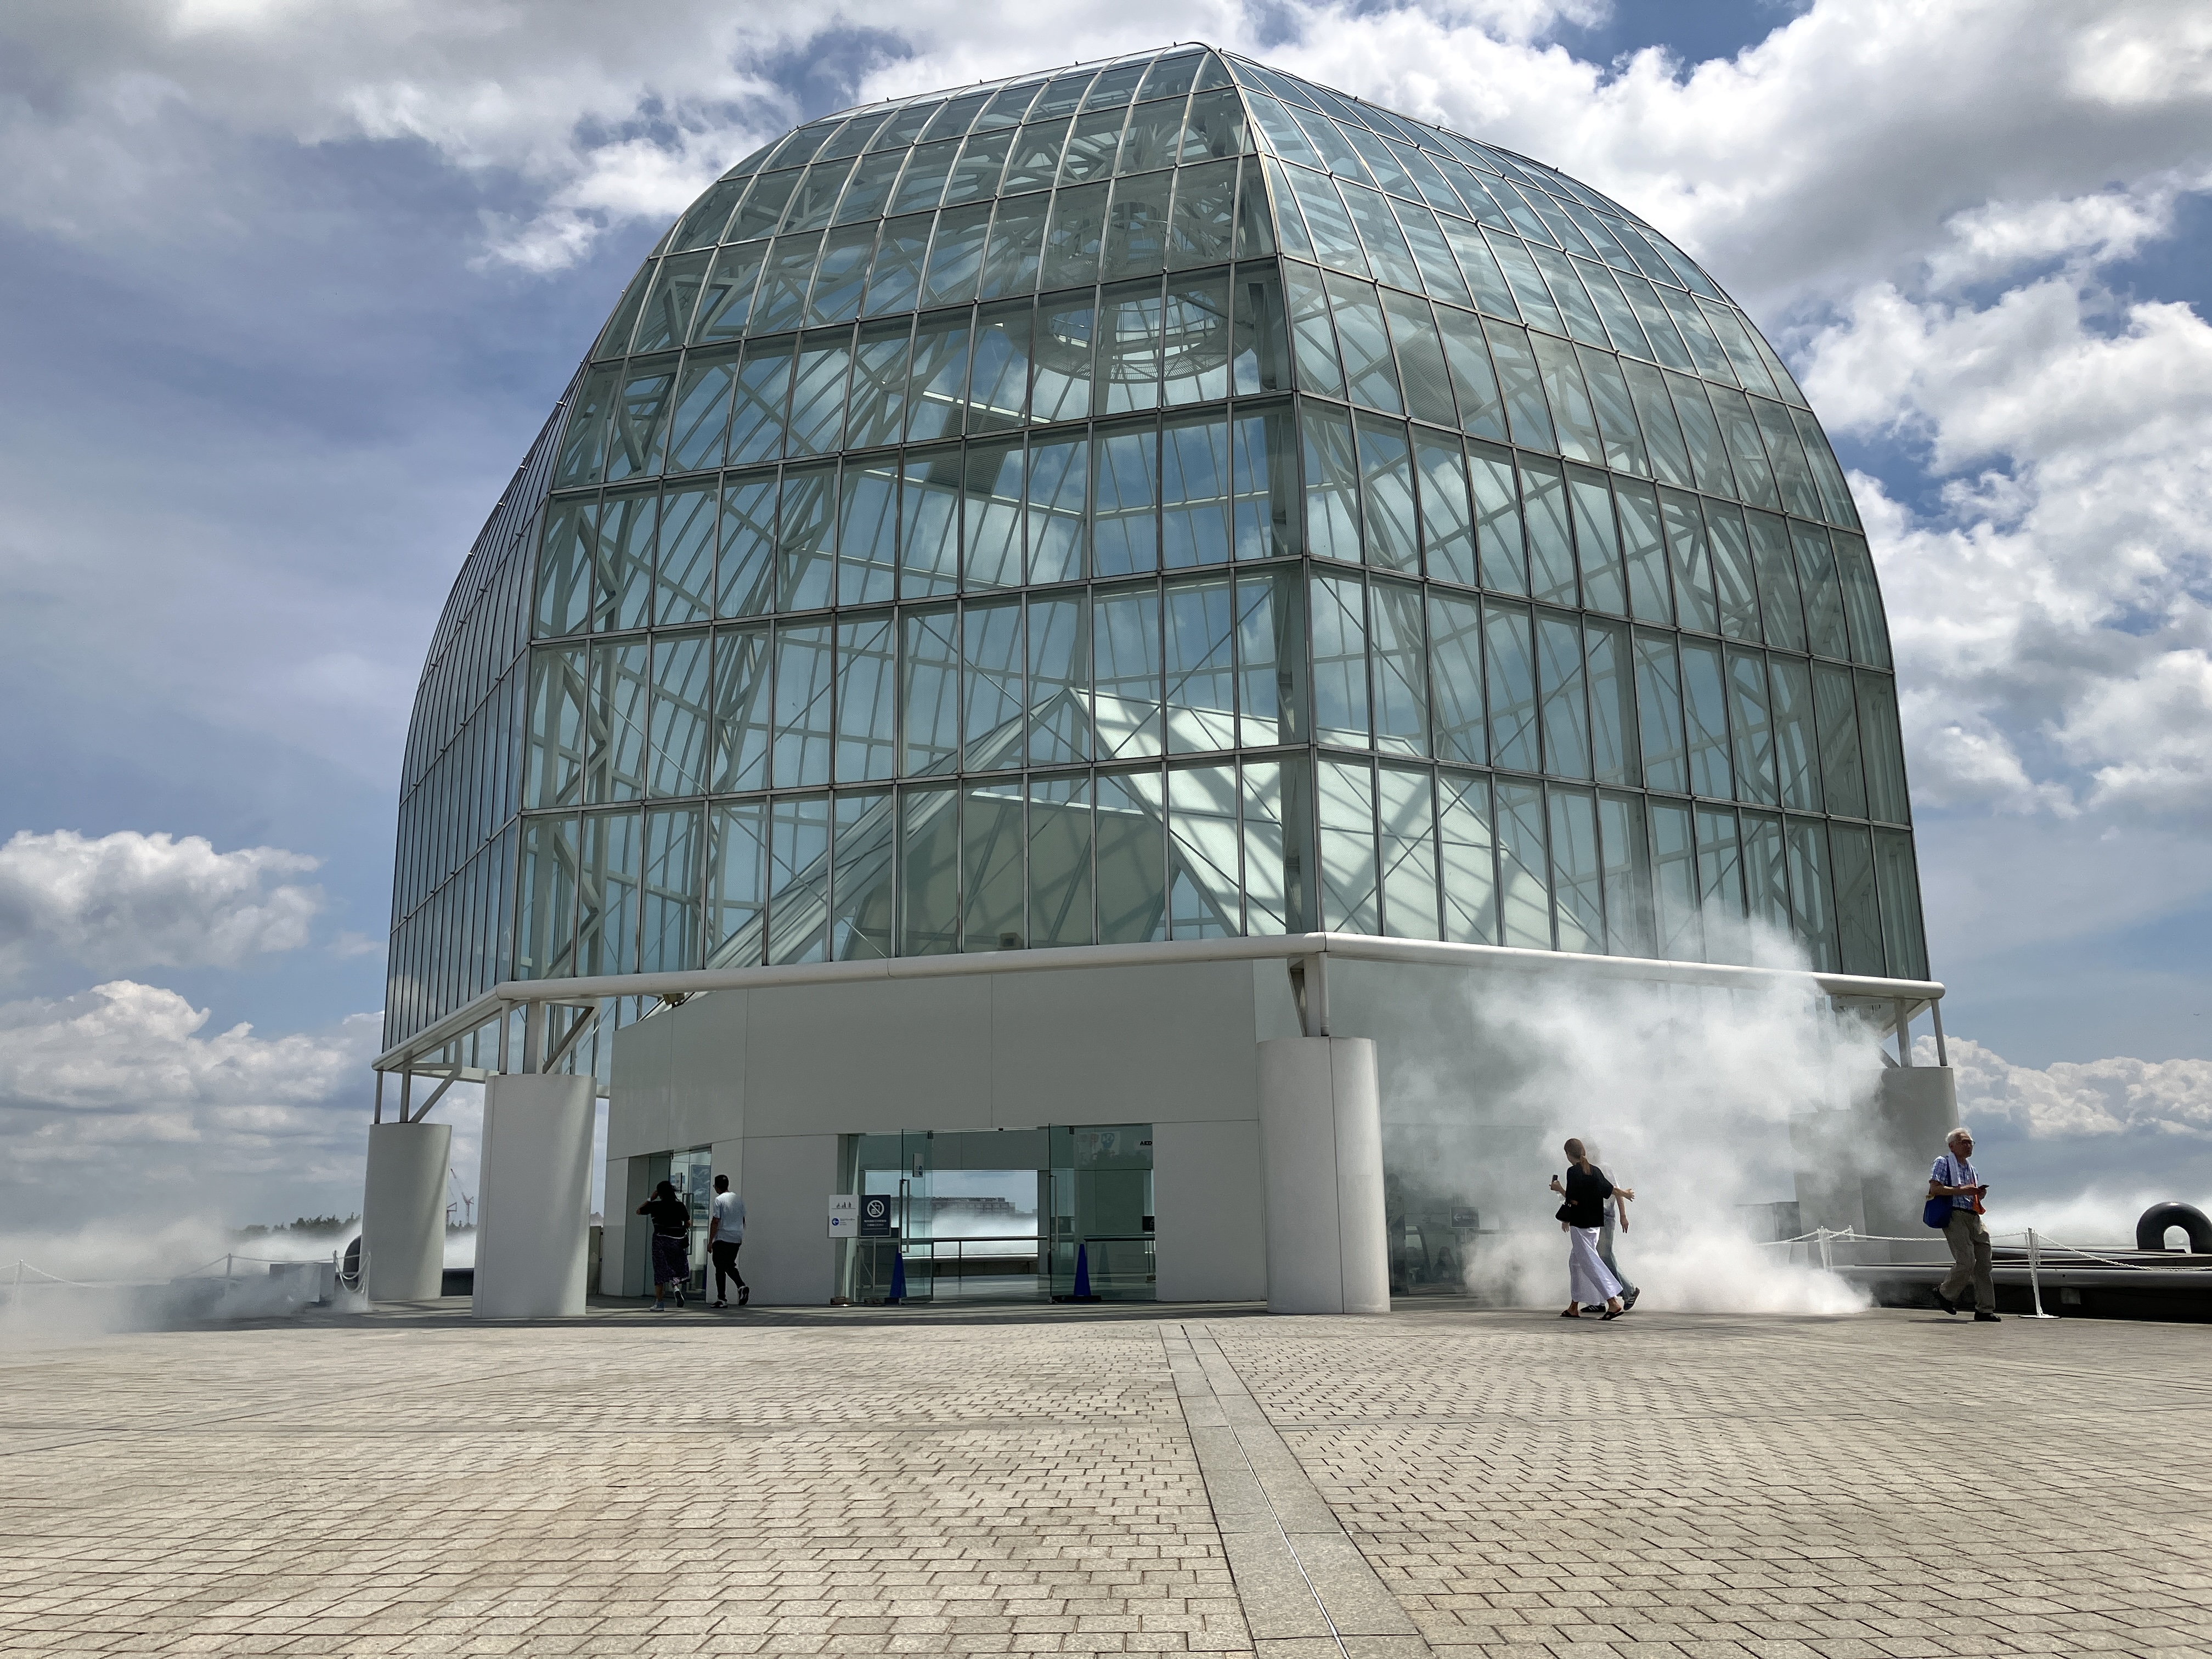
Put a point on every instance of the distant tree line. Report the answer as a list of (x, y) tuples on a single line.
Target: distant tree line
[(303, 1224)]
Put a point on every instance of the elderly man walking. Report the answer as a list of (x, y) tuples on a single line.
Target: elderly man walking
[(1953, 1177)]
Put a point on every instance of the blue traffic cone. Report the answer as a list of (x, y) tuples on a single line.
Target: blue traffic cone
[(898, 1277), (1082, 1273)]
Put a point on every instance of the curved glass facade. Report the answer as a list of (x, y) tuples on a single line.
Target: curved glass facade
[(1162, 499)]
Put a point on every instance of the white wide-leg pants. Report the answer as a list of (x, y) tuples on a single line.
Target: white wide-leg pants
[(1588, 1281)]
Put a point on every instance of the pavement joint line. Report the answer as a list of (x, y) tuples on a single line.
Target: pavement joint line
[(1270, 1515)]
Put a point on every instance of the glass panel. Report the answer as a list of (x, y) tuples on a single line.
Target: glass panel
[(877, 402), (1474, 382), (1369, 373), (763, 206), (992, 684), (1349, 896), (1522, 867), (666, 318), (1339, 660), (606, 908), (1132, 859), (1708, 449), (1332, 484), (863, 844), (565, 564), (1692, 561), (1497, 519), (992, 500), (1521, 386), (1059, 485), (1627, 852), (1328, 223), (922, 186), (1059, 685), (614, 338), (1574, 304), (621, 587), (1260, 358), (1551, 549), (1705, 710), (868, 192), (868, 533), (675, 851), (1408, 854), (1616, 416), (801, 756), (1823, 592), (1570, 400), (991, 878), (938, 387), (815, 199), (1835, 495), (929, 677), (764, 386), (1533, 299), (1197, 341), (895, 280), (1735, 339), (1884, 749), (1732, 572), (1033, 162), (843, 274), (1577, 877), (1124, 521), (867, 700), (1674, 883), (1779, 610), (1670, 454), (782, 301), (1566, 708), (1072, 244), (1271, 657), (1905, 945), (1010, 265), (798, 879), (1791, 473), (1510, 673), (553, 759), (1746, 454), (683, 714), (1203, 889), (1439, 270), (1278, 896), (1447, 524), (1597, 545), (1255, 224), (1385, 473), (1467, 856), (998, 394), (1194, 493), (1835, 704), (703, 221), (1202, 229), (1426, 380), (633, 447), (1456, 660), (743, 715), (929, 871), (1720, 890), (1386, 251), (1797, 751), (1754, 729), (1125, 636), (1137, 225), (1644, 551), (1812, 908), (737, 883), (1485, 280), (1620, 319), (1128, 374), (806, 537), (929, 523), (1862, 601), (1858, 911), (1766, 873), (1062, 95), (1320, 369), (1614, 743), (975, 174), (1400, 670), (956, 256), (1060, 889), (700, 427)]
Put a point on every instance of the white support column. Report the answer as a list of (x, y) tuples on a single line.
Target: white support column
[(1914, 1107), (533, 1197), (1321, 1143), (402, 1210)]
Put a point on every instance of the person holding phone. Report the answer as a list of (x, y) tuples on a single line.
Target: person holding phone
[(1953, 1177), (1586, 1192), (672, 1243)]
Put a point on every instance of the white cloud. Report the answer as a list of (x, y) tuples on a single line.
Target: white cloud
[(2068, 1100), (128, 900), (122, 1084)]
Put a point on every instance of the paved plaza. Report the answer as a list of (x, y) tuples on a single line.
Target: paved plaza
[(1442, 1481)]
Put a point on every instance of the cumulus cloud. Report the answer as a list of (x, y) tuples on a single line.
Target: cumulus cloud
[(130, 900), (125, 1082), (2096, 1098)]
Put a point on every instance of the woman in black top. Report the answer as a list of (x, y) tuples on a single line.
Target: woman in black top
[(672, 1243), (1586, 1192)]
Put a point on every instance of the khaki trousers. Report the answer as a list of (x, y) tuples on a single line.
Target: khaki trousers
[(1970, 1260)]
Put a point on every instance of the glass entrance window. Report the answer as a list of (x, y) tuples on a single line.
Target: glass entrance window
[(1101, 1220)]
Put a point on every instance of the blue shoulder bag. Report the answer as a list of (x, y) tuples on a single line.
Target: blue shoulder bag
[(1936, 1212)]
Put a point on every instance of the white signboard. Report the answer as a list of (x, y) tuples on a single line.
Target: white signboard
[(844, 1215)]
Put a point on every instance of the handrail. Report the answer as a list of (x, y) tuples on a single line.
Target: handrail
[(1355, 947)]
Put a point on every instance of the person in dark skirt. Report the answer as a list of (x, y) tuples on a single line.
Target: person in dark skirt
[(1586, 1192), (672, 1243)]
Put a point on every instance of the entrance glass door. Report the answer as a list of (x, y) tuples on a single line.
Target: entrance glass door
[(1100, 1212), (901, 1170)]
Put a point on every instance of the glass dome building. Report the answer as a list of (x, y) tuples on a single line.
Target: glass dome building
[(1159, 499)]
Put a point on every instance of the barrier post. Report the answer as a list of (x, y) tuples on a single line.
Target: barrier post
[(1828, 1252), (2035, 1275)]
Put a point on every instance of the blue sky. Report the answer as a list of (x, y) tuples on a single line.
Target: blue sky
[(289, 296)]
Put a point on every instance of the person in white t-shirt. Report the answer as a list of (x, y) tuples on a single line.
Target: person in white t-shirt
[(725, 1230)]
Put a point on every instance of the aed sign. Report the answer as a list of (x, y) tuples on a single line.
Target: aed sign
[(876, 1216), (844, 1215)]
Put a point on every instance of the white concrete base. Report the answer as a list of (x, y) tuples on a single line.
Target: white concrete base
[(533, 1197), (1320, 1141), (403, 1211)]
